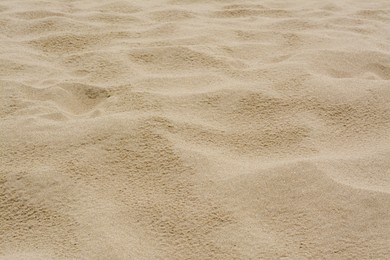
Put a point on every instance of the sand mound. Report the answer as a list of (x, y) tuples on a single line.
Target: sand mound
[(194, 129)]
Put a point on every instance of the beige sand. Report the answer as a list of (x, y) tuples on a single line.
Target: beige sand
[(195, 129)]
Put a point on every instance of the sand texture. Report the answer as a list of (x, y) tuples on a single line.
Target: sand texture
[(195, 129)]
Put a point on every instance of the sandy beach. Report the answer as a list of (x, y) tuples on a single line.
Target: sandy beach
[(195, 129)]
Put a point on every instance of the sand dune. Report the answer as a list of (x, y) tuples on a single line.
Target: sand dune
[(199, 129)]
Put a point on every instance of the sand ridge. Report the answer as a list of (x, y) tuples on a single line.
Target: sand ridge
[(199, 129)]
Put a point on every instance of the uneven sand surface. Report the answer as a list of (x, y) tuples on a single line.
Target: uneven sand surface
[(195, 129)]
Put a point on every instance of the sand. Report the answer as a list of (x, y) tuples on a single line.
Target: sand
[(195, 129)]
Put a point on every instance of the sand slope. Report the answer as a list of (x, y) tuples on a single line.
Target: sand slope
[(200, 129)]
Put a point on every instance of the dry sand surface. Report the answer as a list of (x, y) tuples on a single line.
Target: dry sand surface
[(195, 129)]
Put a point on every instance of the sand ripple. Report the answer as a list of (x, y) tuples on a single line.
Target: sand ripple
[(194, 129)]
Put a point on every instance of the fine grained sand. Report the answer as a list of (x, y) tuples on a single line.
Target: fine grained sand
[(198, 129)]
